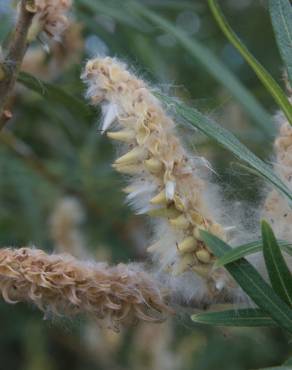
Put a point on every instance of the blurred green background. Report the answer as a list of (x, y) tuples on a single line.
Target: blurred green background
[(55, 170)]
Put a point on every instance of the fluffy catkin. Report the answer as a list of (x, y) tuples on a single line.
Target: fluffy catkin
[(50, 17), (276, 209), (60, 284), (163, 178), (63, 55)]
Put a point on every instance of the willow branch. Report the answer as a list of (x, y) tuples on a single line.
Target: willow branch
[(17, 46)]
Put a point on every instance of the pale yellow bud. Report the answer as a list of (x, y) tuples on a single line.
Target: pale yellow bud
[(178, 203), (196, 217), (196, 231), (180, 222), (188, 245), (160, 198), (184, 264), (217, 230), (203, 256), (163, 212), (125, 135), (142, 134), (130, 170), (202, 270), (153, 165), (131, 157)]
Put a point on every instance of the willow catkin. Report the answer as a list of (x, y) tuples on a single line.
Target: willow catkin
[(50, 17), (63, 55), (164, 179), (62, 285)]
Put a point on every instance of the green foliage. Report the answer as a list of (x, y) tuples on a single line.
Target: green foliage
[(267, 80), (281, 15), (227, 140), (247, 249), (242, 317), (279, 274), (253, 284), (272, 311), (56, 151), (215, 67)]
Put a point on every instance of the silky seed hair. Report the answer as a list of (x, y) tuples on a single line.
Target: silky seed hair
[(59, 284), (276, 208), (163, 178)]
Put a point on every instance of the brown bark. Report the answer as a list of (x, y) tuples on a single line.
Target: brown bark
[(11, 63)]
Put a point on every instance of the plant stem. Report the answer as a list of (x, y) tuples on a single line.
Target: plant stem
[(17, 46)]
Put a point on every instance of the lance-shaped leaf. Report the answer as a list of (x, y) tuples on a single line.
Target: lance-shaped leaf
[(247, 249), (226, 139), (279, 274), (264, 76), (281, 15), (244, 317), (253, 284), (212, 64)]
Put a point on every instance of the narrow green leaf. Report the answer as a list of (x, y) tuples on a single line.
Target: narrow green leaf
[(280, 276), (55, 94), (281, 15), (244, 317), (267, 80), (214, 66), (227, 140), (252, 283), (247, 249)]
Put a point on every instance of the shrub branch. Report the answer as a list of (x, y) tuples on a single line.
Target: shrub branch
[(11, 63)]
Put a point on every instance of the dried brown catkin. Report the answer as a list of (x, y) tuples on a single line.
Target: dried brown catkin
[(62, 285)]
